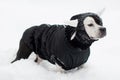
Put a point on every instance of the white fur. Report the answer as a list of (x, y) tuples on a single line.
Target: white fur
[(92, 31)]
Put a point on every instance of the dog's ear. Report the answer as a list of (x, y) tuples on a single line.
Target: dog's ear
[(75, 17)]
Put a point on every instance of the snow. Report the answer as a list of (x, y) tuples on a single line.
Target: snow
[(16, 16)]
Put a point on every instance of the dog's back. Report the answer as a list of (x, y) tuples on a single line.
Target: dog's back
[(50, 42)]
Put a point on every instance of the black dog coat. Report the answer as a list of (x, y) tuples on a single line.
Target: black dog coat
[(52, 43)]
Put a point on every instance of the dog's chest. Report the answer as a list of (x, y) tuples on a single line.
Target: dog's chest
[(72, 57), (67, 55)]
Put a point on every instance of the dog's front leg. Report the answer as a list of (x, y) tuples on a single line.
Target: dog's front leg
[(38, 59)]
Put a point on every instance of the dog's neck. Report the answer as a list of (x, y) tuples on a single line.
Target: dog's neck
[(81, 39)]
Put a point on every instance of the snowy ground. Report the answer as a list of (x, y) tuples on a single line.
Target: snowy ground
[(16, 16)]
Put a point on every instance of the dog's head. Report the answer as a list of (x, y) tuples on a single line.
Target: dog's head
[(91, 23)]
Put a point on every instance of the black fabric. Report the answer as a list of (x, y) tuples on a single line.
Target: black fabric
[(81, 39), (82, 16), (52, 42)]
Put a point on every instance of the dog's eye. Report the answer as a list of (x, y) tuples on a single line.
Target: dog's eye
[(90, 25)]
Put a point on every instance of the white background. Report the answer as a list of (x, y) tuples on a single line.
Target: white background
[(18, 15)]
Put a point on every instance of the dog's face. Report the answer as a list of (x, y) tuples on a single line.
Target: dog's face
[(91, 24), (94, 30)]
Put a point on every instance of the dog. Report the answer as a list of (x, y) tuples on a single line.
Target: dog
[(65, 45)]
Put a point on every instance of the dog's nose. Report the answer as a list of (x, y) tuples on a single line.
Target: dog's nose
[(102, 29)]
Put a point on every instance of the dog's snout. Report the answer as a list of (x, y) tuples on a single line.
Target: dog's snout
[(102, 32), (102, 29)]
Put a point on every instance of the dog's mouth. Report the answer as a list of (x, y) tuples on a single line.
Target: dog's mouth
[(93, 38), (100, 35)]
